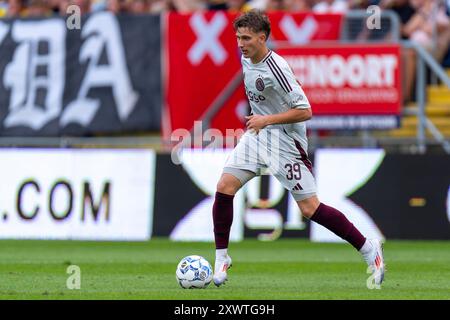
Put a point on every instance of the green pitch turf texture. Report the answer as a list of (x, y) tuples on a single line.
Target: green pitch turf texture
[(284, 269)]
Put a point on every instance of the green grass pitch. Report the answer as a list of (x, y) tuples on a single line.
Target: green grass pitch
[(284, 269)]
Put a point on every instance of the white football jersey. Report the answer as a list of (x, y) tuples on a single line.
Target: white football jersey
[(271, 88)]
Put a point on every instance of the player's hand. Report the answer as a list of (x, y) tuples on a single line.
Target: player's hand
[(256, 122)]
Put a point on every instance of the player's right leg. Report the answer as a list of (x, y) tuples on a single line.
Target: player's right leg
[(241, 166), (222, 211), (231, 181)]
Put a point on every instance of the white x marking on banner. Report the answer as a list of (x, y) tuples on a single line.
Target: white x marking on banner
[(208, 42), (299, 34)]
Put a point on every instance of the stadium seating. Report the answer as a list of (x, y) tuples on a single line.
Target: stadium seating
[(437, 110)]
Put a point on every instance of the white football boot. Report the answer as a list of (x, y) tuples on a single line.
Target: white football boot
[(220, 271), (375, 260)]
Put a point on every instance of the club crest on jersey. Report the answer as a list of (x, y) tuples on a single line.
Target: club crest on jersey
[(259, 84)]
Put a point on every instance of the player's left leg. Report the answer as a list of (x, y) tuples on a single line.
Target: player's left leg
[(332, 219), (337, 222), (289, 163), (297, 176)]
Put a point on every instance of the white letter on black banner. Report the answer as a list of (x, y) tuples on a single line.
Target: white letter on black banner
[(35, 76), (102, 32)]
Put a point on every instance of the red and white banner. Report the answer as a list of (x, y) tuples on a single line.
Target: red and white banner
[(303, 28), (348, 79), (203, 62)]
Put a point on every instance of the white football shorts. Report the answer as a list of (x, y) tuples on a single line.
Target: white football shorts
[(275, 152)]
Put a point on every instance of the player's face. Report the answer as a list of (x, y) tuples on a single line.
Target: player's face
[(250, 43)]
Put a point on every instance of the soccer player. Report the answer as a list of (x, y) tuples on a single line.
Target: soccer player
[(276, 141)]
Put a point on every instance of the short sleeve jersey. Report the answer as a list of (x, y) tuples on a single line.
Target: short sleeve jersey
[(271, 88)]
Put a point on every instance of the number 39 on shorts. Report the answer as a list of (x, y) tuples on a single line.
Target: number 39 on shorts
[(293, 171)]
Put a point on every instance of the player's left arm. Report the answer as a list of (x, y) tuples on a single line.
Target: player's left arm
[(257, 122)]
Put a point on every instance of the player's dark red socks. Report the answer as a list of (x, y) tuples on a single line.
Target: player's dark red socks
[(222, 218), (337, 222)]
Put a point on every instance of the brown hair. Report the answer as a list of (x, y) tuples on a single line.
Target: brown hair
[(255, 20)]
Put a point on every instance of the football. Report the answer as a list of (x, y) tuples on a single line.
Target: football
[(194, 272)]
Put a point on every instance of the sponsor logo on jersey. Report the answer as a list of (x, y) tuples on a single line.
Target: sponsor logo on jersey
[(259, 84), (255, 97)]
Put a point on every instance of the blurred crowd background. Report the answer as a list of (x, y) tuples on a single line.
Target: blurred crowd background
[(405, 8), (426, 22), (421, 19)]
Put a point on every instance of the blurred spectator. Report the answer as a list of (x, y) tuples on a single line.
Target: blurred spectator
[(16, 8), (238, 5), (62, 7), (99, 5), (53, 5), (185, 6), (401, 7), (358, 4), (38, 8), (158, 6), (84, 5), (275, 5), (299, 5), (138, 6), (216, 5), (331, 6), (422, 21), (404, 10), (231, 5), (3, 8), (363, 4), (284, 5), (114, 6), (430, 27)]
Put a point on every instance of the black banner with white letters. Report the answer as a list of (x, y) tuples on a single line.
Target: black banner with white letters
[(102, 78)]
